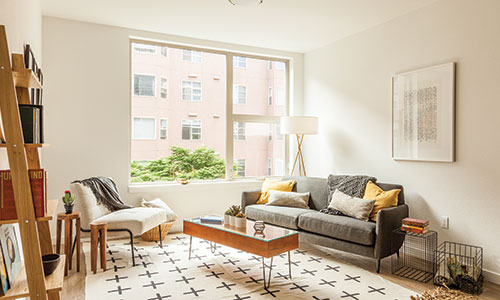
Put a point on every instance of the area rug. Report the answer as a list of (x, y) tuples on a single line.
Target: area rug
[(228, 274)]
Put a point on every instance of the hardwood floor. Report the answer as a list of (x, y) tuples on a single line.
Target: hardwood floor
[(74, 283)]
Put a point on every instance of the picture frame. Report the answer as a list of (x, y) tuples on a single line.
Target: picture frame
[(423, 114)]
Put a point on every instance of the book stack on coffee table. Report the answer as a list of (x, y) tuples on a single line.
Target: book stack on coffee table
[(415, 225)]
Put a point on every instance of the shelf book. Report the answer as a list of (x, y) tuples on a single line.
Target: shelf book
[(10, 252), (38, 191), (4, 283), (415, 225)]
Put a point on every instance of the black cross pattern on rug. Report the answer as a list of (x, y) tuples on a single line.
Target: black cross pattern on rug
[(240, 298), (225, 285), (177, 269), (183, 243), (306, 271), (253, 280), (221, 254), (153, 284), (113, 260), (298, 286), (230, 261), (295, 263), (119, 290), (267, 266), (256, 258), (281, 275), (194, 292), (329, 268), (242, 270), (117, 278), (204, 242), (330, 283), (283, 255), (161, 247), (146, 264), (170, 260), (159, 297), (373, 290), (271, 293), (347, 295), (167, 253), (316, 259), (192, 250), (111, 252), (178, 238), (206, 265), (149, 274), (185, 279), (317, 298), (213, 247), (141, 256), (198, 256), (298, 251), (117, 268), (214, 274), (355, 278)]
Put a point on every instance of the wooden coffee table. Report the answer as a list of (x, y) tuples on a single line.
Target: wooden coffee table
[(275, 241)]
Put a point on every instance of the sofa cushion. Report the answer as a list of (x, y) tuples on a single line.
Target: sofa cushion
[(339, 227), (318, 187), (137, 219), (277, 215)]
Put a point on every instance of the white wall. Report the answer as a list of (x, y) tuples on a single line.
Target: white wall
[(87, 113), (348, 85), (23, 23)]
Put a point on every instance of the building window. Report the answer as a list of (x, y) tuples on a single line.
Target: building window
[(239, 62), (270, 96), (144, 128), (163, 129), (239, 94), (269, 166), (279, 167), (191, 129), (279, 136), (270, 65), (239, 131), (240, 165), (191, 90), (164, 88), (280, 65), (144, 85), (270, 133), (164, 51), (144, 48), (191, 55), (280, 96)]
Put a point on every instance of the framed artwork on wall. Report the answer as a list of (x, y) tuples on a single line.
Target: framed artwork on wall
[(423, 114)]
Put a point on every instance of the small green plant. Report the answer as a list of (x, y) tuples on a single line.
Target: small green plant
[(228, 212), (235, 210), (240, 215), (68, 199)]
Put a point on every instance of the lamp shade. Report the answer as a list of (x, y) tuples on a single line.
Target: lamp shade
[(299, 125)]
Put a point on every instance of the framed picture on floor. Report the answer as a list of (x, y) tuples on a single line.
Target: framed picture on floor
[(423, 114)]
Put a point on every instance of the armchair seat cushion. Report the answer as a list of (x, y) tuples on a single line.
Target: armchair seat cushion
[(339, 227), (277, 215), (137, 219)]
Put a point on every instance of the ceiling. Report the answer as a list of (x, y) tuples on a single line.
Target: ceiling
[(291, 25)]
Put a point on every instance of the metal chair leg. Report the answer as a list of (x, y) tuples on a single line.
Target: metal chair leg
[(159, 231), (132, 248), (378, 265)]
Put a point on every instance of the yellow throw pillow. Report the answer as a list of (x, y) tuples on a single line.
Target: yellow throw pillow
[(383, 199), (269, 184)]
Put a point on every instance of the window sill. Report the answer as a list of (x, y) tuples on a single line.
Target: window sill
[(195, 185)]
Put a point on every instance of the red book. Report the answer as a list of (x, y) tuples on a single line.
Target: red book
[(415, 222), (7, 202)]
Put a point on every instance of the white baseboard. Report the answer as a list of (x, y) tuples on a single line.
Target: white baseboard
[(491, 276)]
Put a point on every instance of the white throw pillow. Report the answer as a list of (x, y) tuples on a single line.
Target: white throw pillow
[(158, 203), (351, 206), (290, 199)]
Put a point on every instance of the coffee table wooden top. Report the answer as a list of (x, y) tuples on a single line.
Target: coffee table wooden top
[(276, 240)]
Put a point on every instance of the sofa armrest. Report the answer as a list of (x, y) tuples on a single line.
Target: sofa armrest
[(249, 198), (387, 220)]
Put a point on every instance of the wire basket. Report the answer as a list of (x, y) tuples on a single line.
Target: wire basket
[(153, 235), (460, 266), (416, 259)]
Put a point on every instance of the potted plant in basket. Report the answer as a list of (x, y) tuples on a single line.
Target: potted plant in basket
[(68, 201)]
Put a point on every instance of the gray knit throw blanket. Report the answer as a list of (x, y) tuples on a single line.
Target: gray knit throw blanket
[(105, 192), (347, 184)]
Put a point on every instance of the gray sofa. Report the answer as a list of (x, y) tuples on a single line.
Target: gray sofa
[(370, 239)]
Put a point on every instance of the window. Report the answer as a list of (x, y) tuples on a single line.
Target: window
[(281, 96), (144, 128), (144, 85), (240, 165), (191, 55), (279, 167), (191, 129), (191, 90), (270, 65), (280, 65), (239, 131), (270, 96), (239, 94), (239, 62), (144, 48), (164, 51), (270, 133), (269, 166), (279, 136), (163, 129), (164, 88)]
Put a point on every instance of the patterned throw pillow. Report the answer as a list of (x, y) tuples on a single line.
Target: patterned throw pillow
[(290, 199)]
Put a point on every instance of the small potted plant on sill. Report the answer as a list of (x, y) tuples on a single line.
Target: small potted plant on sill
[(68, 201), (240, 220)]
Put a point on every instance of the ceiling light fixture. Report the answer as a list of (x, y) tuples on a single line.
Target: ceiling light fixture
[(245, 2)]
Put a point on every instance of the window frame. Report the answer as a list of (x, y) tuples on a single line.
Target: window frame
[(191, 56), (270, 96), (191, 129), (236, 131), (133, 128), (133, 84), (239, 62), (191, 82), (160, 129), (148, 53), (230, 116), (244, 167), (161, 88), (239, 86)]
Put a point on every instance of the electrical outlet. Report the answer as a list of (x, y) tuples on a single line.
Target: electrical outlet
[(445, 222)]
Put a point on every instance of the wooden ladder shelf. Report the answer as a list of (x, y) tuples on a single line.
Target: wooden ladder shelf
[(36, 241)]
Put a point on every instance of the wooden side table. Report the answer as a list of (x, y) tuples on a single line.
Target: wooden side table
[(98, 233), (68, 238)]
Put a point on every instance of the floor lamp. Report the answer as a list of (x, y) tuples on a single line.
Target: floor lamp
[(300, 126)]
